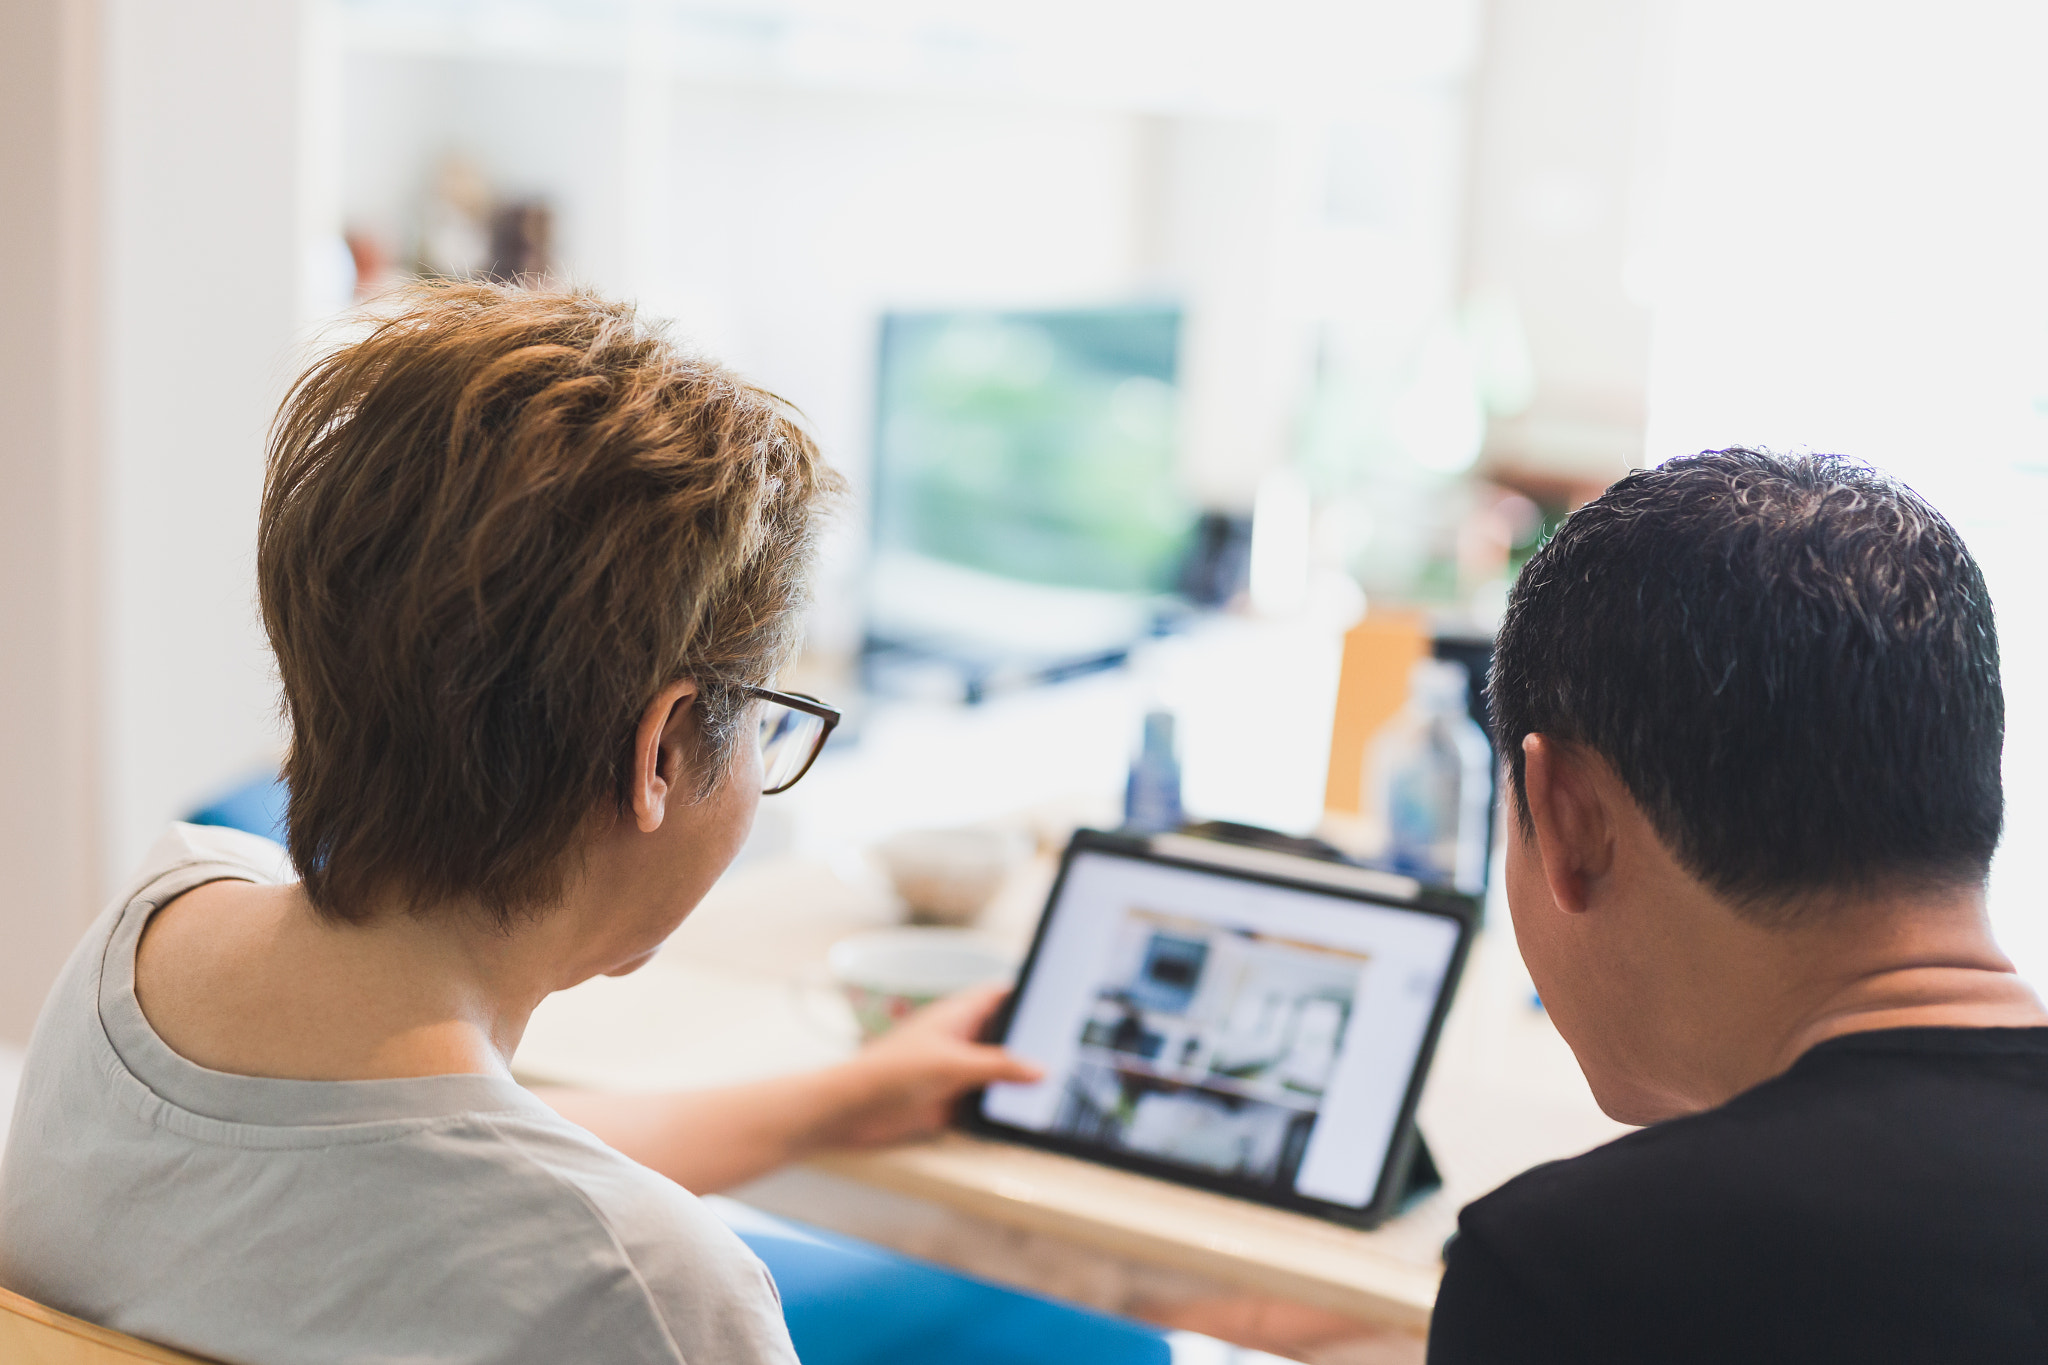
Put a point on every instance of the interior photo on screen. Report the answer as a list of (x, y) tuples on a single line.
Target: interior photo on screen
[(1210, 1046), (1195, 1019)]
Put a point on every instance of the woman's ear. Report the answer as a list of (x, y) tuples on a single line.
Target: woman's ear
[(662, 747)]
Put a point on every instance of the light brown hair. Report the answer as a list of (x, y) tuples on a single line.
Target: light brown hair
[(492, 530)]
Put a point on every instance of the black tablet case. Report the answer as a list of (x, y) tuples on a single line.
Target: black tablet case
[(1410, 1173)]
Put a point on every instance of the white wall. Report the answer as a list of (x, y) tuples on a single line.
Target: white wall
[(204, 256), (49, 736), (1853, 262), (151, 254), (10, 1083), (1565, 176)]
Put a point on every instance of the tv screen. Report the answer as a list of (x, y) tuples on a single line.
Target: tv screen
[(1039, 447)]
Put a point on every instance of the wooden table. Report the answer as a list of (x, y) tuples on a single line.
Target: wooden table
[(740, 993)]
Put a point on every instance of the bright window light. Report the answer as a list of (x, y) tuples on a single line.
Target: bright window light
[(1853, 260)]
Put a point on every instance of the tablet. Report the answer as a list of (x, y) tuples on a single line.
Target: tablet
[(1233, 1018)]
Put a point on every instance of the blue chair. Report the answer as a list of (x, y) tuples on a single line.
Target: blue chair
[(848, 1303), (852, 1304), (256, 806)]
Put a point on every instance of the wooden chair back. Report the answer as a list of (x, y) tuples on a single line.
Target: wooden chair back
[(31, 1334)]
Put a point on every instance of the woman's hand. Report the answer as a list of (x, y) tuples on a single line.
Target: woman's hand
[(905, 1083), (902, 1085)]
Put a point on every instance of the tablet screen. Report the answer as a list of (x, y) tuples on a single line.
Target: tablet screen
[(1198, 1019)]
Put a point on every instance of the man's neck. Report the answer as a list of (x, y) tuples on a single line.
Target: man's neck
[(1929, 995), (1904, 960)]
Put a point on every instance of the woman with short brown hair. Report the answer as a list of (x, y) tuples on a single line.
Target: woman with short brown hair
[(529, 573)]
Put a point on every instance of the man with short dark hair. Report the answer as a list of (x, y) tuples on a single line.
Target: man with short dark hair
[(1752, 716)]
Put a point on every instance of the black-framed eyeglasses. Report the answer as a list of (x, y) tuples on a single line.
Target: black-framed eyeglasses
[(793, 729)]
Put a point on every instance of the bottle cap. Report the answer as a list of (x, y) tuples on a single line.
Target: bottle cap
[(1158, 734), (1439, 683)]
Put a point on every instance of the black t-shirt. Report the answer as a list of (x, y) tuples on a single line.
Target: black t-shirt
[(1886, 1199)]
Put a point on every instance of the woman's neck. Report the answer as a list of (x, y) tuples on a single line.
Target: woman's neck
[(247, 979)]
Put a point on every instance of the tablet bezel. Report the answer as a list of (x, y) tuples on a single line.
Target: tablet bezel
[(1273, 870)]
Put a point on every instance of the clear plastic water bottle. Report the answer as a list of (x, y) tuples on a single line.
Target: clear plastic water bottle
[(1152, 796), (1429, 771)]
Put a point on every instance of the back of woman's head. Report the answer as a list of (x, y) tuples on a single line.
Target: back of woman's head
[(492, 530)]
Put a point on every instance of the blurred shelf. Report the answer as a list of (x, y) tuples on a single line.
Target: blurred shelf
[(1142, 56)]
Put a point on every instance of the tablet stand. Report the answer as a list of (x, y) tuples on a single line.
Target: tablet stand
[(1422, 1178)]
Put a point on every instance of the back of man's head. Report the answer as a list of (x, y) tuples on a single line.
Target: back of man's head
[(1789, 661)]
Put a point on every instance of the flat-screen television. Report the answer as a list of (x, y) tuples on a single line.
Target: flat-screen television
[(1027, 506)]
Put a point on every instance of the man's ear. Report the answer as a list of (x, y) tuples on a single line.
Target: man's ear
[(662, 750), (1574, 827)]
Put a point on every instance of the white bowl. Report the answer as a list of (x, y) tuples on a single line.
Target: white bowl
[(948, 876), (888, 973)]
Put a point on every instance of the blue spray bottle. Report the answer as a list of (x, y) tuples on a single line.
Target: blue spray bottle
[(1152, 796)]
